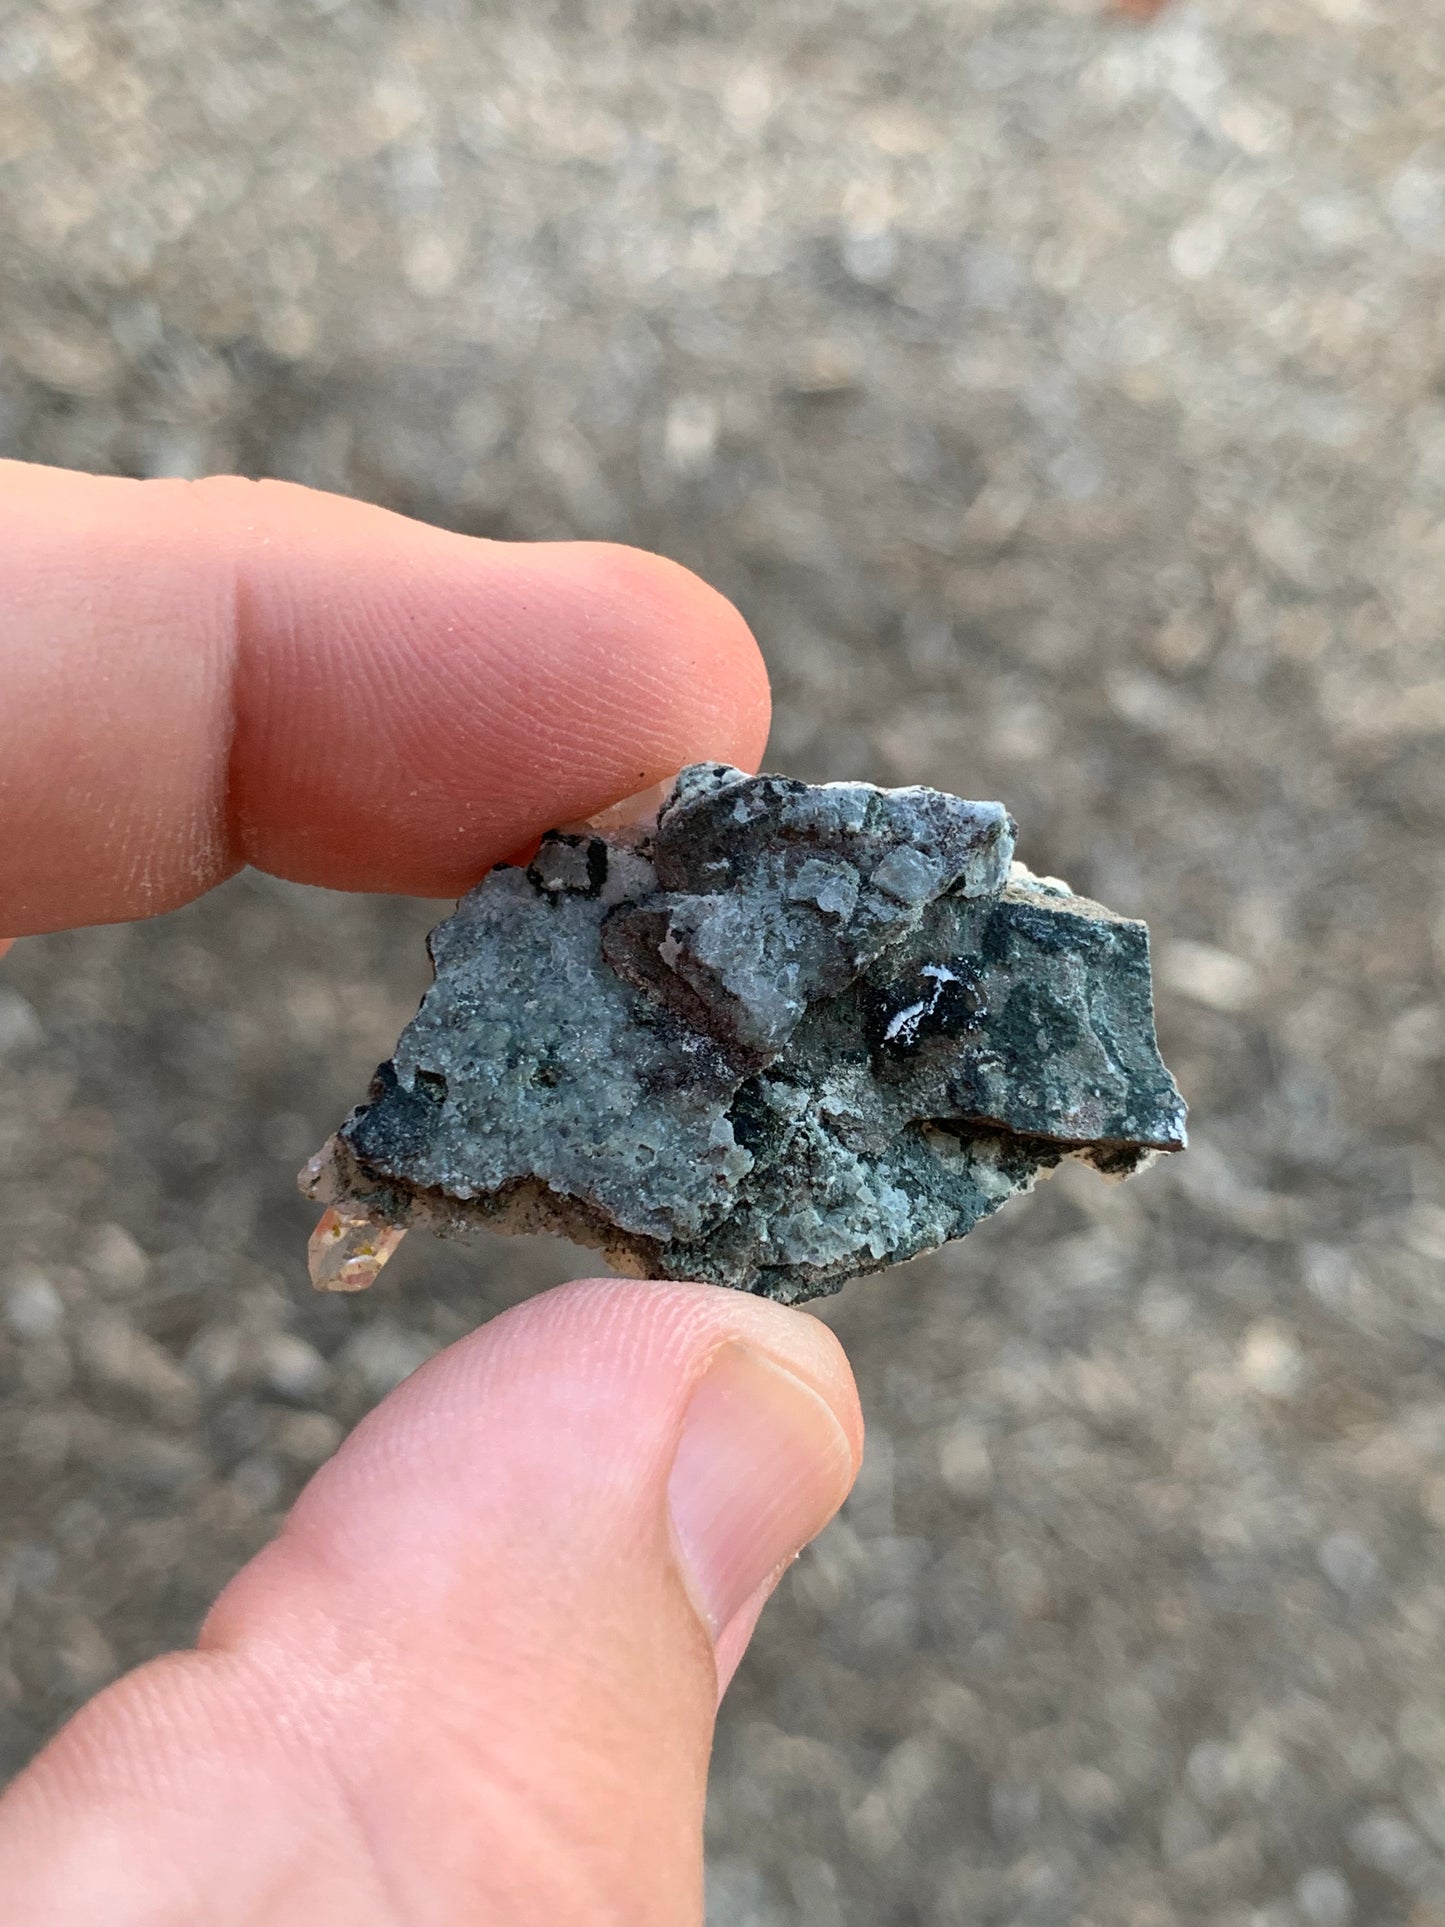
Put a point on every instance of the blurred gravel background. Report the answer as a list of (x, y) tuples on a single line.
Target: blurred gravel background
[(1062, 397)]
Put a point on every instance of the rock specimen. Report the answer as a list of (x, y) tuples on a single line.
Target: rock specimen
[(790, 1034)]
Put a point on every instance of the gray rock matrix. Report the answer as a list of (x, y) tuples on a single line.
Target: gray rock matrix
[(796, 1033)]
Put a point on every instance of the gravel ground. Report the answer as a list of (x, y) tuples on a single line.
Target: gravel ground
[(1062, 397)]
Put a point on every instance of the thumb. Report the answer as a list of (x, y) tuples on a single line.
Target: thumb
[(475, 1676)]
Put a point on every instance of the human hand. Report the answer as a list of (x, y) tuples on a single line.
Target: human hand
[(474, 1678)]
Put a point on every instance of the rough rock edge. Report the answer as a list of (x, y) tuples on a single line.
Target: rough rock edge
[(526, 1205)]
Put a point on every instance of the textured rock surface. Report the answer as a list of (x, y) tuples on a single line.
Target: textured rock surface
[(798, 1033)]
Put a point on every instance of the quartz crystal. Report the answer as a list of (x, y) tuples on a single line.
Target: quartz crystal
[(349, 1247), (789, 1034)]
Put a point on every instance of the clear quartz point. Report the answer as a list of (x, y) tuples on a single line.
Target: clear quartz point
[(348, 1248)]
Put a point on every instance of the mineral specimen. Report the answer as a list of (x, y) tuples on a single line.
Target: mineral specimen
[(788, 1035)]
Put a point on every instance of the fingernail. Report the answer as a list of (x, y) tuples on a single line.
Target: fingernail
[(761, 1467)]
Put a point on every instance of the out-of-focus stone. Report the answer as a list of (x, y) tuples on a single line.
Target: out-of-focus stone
[(116, 1356), (34, 1309), (291, 1368)]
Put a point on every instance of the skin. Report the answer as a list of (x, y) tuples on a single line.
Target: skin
[(474, 1679)]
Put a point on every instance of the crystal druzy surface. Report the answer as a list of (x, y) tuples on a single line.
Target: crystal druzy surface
[(792, 1034)]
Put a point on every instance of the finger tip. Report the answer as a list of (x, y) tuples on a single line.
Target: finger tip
[(693, 1321), (835, 1382), (702, 646), (493, 690), (732, 1642), (329, 691)]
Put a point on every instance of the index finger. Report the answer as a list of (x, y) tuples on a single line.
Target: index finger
[(199, 675)]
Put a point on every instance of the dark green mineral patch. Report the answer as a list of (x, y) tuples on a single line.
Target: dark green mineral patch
[(792, 1034)]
